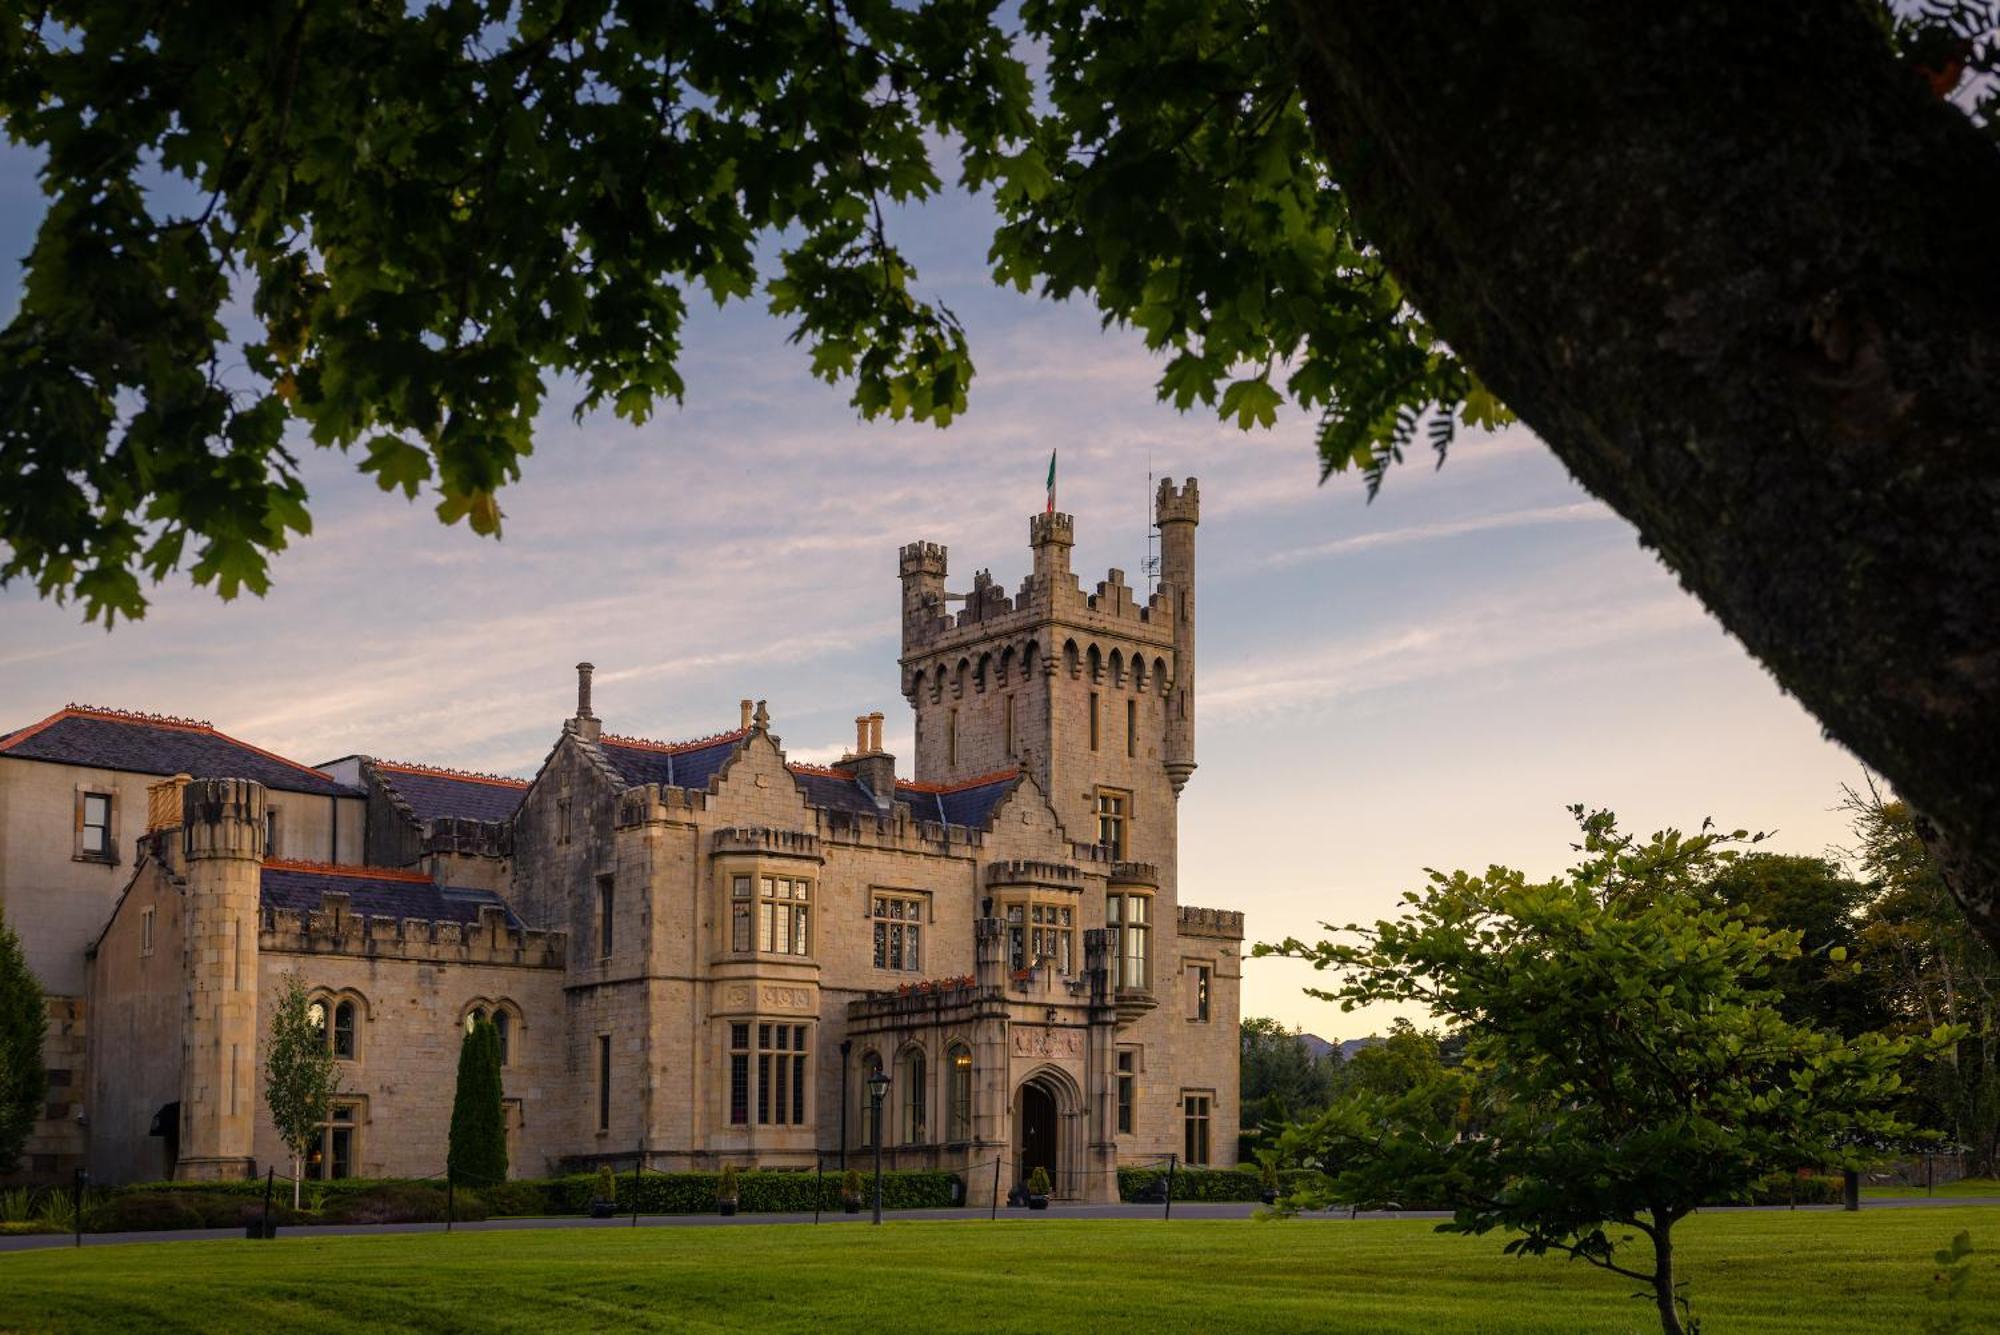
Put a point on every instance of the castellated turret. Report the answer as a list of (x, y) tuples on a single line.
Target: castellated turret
[(1091, 693), (222, 832)]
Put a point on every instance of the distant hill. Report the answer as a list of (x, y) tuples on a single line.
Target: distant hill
[(1319, 1047)]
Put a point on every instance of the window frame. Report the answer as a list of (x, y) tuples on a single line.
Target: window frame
[(107, 829), (959, 1073), (1126, 1071), (486, 1008), (897, 937), (1197, 1149), (321, 1162), (913, 1104), (1112, 808), (1029, 933), (1118, 916), (1201, 999)]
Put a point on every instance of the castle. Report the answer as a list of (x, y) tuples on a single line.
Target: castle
[(697, 952)]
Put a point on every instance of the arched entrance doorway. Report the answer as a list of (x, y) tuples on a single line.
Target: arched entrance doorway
[(1039, 1125), (1048, 1130)]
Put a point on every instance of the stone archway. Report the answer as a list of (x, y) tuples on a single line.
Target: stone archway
[(1048, 1113)]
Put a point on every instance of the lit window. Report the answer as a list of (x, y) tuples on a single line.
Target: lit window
[(1112, 810), (1195, 1109), (915, 1130), (334, 1156), (898, 928), (1202, 984), (961, 1093), (1128, 1079), (97, 825), (784, 916), (1130, 917)]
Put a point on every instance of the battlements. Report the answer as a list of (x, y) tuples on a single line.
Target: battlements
[(1024, 871), (1225, 924), (1052, 529), (1113, 613), (760, 839), (333, 929), (1177, 505), (922, 558)]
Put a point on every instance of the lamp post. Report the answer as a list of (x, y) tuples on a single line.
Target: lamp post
[(878, 1085)]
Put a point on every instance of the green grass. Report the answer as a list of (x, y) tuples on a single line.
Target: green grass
[(1767, 1271), (1971, 1186)]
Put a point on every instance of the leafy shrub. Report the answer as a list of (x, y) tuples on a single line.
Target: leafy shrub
[(17, 1206), (521, 1197), (147, 1211), (726, 1188), (607, 1184), (1785, 1189), (756, 1192), (401, 1203), (1205, 1184), (1038, 1182)]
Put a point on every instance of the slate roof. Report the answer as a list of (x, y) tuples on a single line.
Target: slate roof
[(154, 744), (382, 891), (970, 803), (434, 793), (679, 764)]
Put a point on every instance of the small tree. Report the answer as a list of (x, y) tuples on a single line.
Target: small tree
[(1624, 1062), (478, 1153), (301, 1076), (24, 1020)]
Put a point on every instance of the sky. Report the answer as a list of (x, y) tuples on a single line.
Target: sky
[(1427, 680)]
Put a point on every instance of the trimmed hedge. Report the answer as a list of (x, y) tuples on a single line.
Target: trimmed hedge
[(1786, 1189), (756, 1193), (180, 1205), (1206, 1184)]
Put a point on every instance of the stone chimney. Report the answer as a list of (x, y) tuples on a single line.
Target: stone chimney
[(874, 767), (587, 725), (746, 706)]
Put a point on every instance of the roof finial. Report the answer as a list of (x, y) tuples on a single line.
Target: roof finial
[(762, 718)]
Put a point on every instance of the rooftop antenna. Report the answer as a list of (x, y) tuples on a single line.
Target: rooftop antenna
[(1151, 565)]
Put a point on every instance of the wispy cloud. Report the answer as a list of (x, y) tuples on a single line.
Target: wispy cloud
[(1578, 512)]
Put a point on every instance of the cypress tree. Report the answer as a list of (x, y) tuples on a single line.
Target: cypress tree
[(478, 1154), (24, 1019)]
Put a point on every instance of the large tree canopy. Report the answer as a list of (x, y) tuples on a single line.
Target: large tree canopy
[(1736, 264)]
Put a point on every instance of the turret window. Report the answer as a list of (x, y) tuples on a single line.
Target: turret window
[(1130, 916), (1113, 813)]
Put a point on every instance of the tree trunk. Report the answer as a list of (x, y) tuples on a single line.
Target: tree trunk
[(1663, 1277), (1741, 271), (298, 1172)]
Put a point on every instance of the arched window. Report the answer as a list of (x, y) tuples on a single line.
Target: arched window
[(343, 1030), (959, 1060), (501, 1016), (871, 1064), (915, 1131), (338, 1019)]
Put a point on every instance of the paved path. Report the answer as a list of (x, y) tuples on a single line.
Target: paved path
[(1182, 1210)]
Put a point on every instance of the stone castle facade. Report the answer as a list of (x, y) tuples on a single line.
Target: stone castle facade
[(697, 952)]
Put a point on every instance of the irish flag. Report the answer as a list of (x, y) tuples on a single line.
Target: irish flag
[(1052, 483)]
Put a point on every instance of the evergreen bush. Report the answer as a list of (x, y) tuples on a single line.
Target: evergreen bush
[(478, 1147), (24, 1019)]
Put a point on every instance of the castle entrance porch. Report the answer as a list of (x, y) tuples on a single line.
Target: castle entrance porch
[(1048, 1112)]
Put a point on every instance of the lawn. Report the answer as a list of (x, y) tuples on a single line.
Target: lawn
[(1767, 1271), (1971, 1186)]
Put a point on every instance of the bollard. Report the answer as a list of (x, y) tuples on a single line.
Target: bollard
[(82, 1180), (995, 1213), (1850, 1189), (450, 1198)]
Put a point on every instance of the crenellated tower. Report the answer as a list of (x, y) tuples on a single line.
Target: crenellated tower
[(1090, 692), (222, 829)]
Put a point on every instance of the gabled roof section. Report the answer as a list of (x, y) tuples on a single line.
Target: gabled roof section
[(386, 892), (676, 764), (432, 792), (969, 803), (116, 739)]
